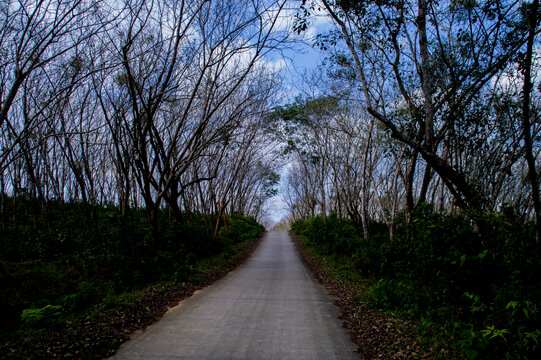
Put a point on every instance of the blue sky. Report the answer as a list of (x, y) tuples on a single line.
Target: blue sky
[(300, 59)]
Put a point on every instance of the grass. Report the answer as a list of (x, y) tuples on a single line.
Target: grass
[(98, 330), (380, 334)]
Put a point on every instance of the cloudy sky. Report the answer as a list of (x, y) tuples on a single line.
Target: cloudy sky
[(296, 62)]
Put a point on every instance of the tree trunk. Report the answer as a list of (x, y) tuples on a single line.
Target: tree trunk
[(364, 181), (426, 77), (526, 124), (427, 177), (220, 214), (152, 212), (410, 177)]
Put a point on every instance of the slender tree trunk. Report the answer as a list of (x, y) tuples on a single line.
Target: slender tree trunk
[(427, 177), (323, 195), (526, 124), (410, 177), (220, 215), (226, 225), (426, 77), (364, 180), (125, 197)]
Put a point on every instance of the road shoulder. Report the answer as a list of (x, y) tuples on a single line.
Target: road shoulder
[(378, 335)]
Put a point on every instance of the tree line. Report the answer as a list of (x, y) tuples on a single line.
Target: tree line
[(414, 167), (138, 104), (418, 102), (134, 160)]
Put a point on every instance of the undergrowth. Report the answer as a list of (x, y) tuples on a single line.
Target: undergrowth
[(83, 267), (470, 286)]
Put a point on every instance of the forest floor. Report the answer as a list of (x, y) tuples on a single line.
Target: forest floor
[(101, 331), (379, 335)]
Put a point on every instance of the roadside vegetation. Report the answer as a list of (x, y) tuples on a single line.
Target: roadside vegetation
[(79, 282), (414, 169), (134, 161), (133, 132), (469, 294)]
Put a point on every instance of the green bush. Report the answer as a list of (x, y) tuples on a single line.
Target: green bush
[(77, 254), (87, 294), (240, 229), (471, 275), (41, 316), (392, 294), (334, 235)]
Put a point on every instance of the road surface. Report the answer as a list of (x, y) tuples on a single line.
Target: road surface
[(269, 308)]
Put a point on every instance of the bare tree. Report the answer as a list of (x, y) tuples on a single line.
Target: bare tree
[(33, 37), (184, 66), (469, 59)]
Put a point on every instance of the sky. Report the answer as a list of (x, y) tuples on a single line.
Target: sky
[(302, 57), (297, 61)]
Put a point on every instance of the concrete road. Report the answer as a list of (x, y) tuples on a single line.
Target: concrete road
[(269, 308)]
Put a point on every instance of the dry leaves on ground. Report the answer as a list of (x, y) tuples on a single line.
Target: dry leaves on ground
[(379, 335), (102, 332)]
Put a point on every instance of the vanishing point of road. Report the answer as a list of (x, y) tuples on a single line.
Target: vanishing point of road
[(269, 308)]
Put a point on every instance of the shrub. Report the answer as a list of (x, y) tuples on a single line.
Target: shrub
[(46, 314), (391, 294), (79, 254), (473, 276)]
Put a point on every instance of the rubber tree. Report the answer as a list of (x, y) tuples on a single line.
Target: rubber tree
[(438, 66), (184, 67)]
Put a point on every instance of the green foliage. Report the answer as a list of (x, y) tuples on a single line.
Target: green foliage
[(472, 283), (270, 185), (78, 255), (239, 229), (491, 332), (41, 316), (336, 235), (392, 294), (87, 294)]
